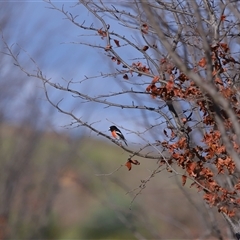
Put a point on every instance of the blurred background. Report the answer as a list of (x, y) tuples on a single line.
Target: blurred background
[(58, 182)]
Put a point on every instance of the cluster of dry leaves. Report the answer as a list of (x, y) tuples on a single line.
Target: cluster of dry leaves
[(203, 163)]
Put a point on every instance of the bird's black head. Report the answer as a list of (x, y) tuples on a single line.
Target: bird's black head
[(113, 128)]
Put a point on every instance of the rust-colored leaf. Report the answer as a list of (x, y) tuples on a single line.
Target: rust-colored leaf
[(145, 69), (211, 198), (207, 173), (182, 143), (102, 33), (223, 18), (224, 46), (227, 92), (237, 187), (153, 88), (145, 48), (144, 28), (125, 76), (169, 85), (184, 179), (231, 213), (202, 62), (148, 89), (212, 185), (176, 155), (116, 42), (190, 167), (223, 209), (182, 77), (128, 164)]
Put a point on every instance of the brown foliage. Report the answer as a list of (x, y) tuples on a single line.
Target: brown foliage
[(188, 63), (129, 163)]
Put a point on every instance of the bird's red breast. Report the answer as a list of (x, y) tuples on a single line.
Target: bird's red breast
[(114, 134)]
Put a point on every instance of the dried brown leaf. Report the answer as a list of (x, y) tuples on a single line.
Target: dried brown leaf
[(145, 48), (184, 179), (128, 164), (202, 62), (116, 42)]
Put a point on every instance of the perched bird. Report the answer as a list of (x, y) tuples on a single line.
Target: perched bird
[(117, 134)]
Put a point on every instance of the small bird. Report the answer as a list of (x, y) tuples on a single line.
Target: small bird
[(116, 133)]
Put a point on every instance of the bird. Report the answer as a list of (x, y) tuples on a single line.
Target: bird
[(117, 134)]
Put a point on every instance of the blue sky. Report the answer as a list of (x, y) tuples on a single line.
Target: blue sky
[(53, 42), (48, 39)]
